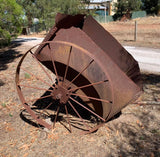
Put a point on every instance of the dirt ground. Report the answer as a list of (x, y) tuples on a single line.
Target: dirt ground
[(148, 32), (136, 132)]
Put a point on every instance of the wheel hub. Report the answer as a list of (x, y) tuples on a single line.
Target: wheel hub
[(61, 93)]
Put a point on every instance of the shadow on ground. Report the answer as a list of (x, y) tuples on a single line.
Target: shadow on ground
[(135, 132), (150, 78), (138, 127), (8, 55), (142, 139), (21, 40), (40, 106), (1, 83)]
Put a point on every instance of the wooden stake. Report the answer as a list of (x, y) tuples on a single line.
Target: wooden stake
[(135, 32)]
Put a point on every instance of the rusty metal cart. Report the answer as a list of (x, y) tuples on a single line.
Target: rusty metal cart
[(79, 76)]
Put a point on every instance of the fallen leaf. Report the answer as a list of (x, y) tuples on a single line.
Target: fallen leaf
[(25, 155), (25, 147), (107, 135), (108, 128), (117, 133), (91, 140), (32, 140), (12, 144), (53, 136)]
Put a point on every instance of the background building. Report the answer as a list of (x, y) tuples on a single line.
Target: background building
[(103, 7)]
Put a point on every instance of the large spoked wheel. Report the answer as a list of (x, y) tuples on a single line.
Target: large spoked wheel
[(64, 82)]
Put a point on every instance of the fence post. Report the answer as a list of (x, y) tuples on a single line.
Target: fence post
[(135, 31), (105, 12)]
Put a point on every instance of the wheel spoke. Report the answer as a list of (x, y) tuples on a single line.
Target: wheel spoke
[(67, 64), (35, 87), (102, 100), (53, 62), (36, 77), (47, 96), (78, 114), (42, 67), (96, 83), (48, 106), (57, 112), (44, 110), (81, 72), (95, 128), (68, 118), (87, 109)]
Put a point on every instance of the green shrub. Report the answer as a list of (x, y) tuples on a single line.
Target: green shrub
[(10, 20)]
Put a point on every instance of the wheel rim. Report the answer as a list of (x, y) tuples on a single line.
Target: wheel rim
[(62, 92)]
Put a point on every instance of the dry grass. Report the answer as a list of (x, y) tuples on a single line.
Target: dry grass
[(148, 31)]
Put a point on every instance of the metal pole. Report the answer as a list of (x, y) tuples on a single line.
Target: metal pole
[(135, 31)]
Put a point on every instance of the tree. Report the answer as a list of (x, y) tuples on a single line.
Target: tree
[(10, 20), (71, 7), (124, 6), (29, 9), (45, 10), (151, 6)]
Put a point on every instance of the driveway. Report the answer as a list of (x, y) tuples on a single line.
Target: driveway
[(148, 58)]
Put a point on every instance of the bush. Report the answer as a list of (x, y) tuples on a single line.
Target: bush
[(10, 20)]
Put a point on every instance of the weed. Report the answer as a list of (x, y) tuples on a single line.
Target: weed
[(142, 138), (27, 76), (3, 104), (10, 115), (154, 131)]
